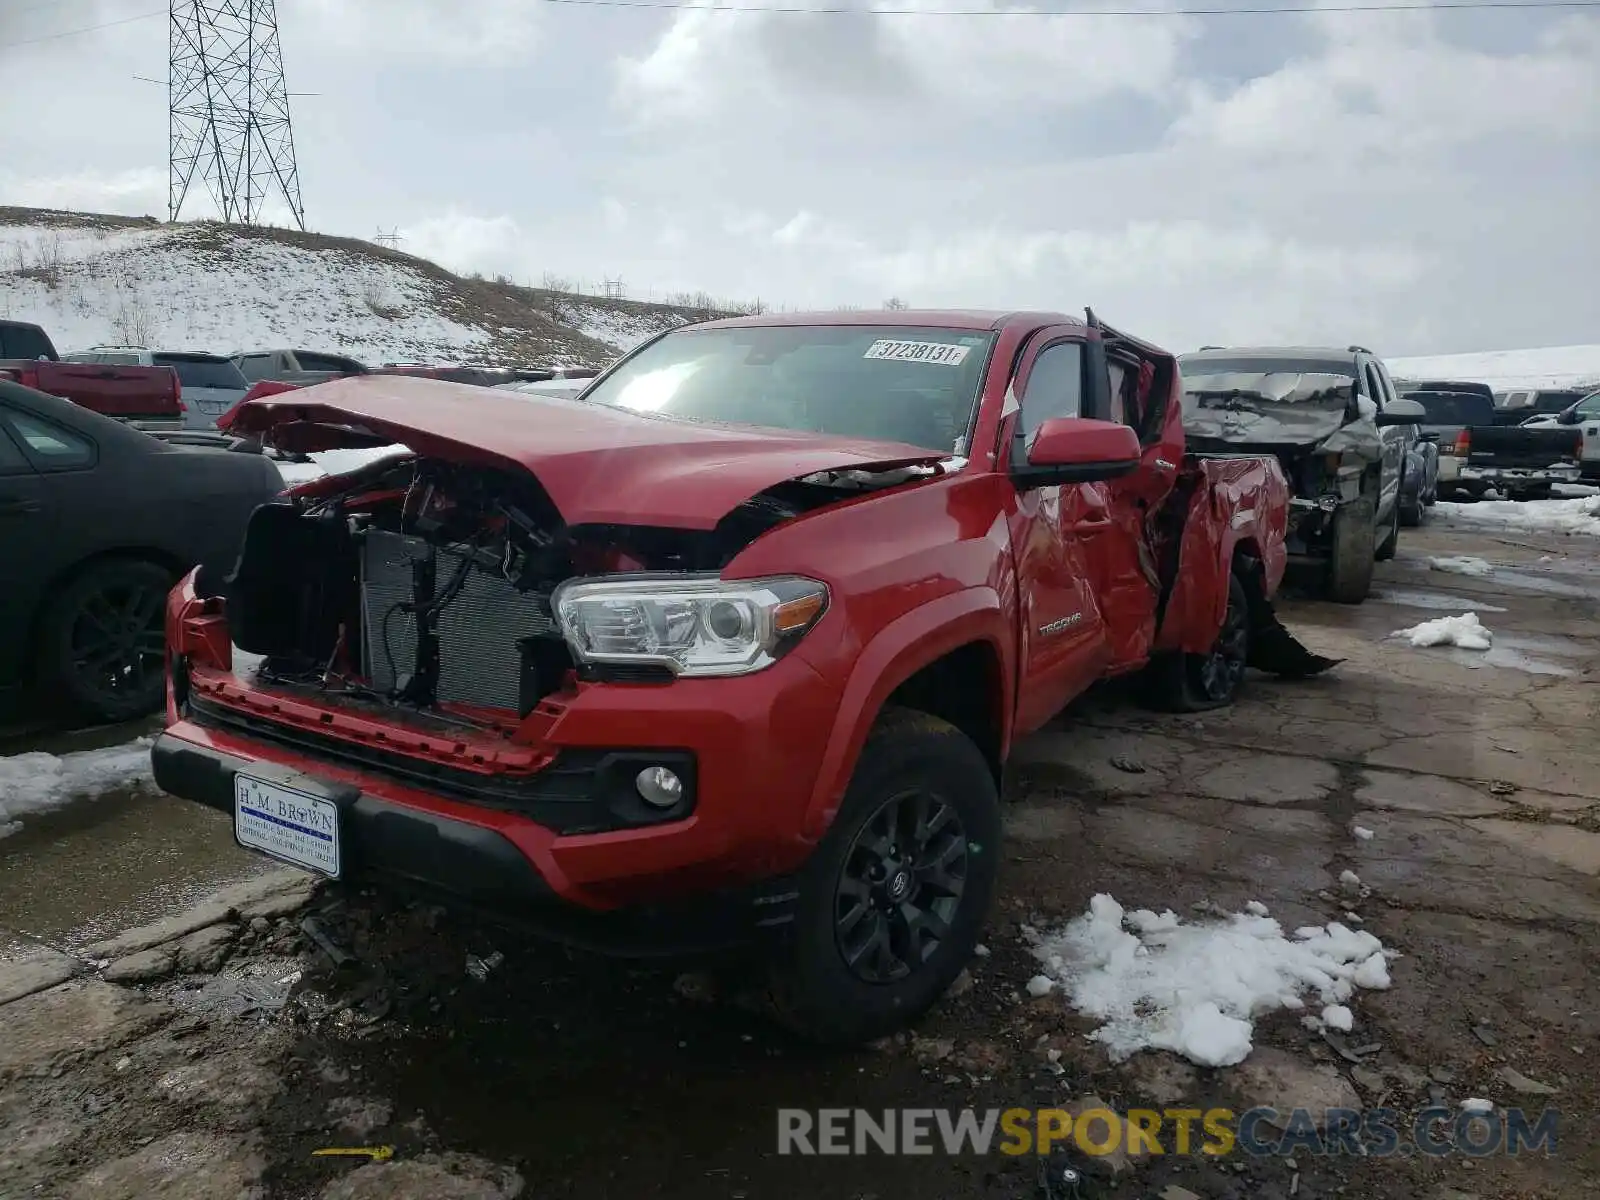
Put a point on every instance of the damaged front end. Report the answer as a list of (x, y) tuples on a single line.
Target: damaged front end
[(1323, 434), (457, 592)]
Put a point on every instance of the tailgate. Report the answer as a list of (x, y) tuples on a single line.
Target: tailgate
[(1522, 447), (129, 393)]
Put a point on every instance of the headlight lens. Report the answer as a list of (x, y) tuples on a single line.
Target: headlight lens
[(691, 626)]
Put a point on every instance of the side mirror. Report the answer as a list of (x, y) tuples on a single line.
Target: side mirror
[(1401, 412), (1570, 417), (1078, 450)]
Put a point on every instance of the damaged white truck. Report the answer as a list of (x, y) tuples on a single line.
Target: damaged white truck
[(1336, 425)]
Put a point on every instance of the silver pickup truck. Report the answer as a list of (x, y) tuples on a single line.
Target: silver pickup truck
[(303, 367), (1585, 415)]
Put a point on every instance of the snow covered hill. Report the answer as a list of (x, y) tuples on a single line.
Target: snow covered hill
[(1506, 370), (92, 280)]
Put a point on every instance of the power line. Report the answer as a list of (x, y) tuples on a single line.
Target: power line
[(818, 11), (1081, 12), (66, 33)]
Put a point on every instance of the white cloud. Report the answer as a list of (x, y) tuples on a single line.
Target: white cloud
[(138, 191), (1404, 94), (707, 61), (1421, 182), (453, 32), (465, 241)]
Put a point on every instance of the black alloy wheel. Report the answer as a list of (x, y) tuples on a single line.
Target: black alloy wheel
[(891, 902), (900, 887), (1217, 675), (104, 649)]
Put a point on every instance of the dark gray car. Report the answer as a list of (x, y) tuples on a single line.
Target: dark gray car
[(1341, 433), (97, 521)]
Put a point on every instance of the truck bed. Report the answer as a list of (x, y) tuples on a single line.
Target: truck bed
[(138, 394), (1523, 447)]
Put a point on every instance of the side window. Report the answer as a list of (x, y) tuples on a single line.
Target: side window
[(254, 367), (51, 446), (26, 341), (12, 460), (1372, 387), (323, 362), (1384, 381), (1122, 381), (1054, 388)]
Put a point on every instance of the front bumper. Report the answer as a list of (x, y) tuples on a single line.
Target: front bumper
[(1310, 526), (433, 854)]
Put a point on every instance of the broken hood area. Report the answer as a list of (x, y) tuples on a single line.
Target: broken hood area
[(599, 465), (1279, 412)]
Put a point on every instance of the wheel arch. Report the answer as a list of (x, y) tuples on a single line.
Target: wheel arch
[(68, 575), (959, 640)]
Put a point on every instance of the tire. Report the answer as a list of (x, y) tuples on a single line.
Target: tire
[(102, 651), (915, 771), (1350, 561), (1199, 682), (1412, 514), (1391, 544)]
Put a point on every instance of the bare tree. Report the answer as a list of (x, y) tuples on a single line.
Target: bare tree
[(133, 322), (895, 304)]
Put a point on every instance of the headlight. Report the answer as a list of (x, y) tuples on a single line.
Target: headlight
[(691, 626)]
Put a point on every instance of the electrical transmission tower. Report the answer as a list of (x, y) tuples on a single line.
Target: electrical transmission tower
[(229, 109)]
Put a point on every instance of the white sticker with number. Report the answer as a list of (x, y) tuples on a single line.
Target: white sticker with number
[(942, 353)]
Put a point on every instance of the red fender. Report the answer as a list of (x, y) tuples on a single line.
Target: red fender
[(900, 650)]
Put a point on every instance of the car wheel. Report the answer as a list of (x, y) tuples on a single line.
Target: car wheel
[(1197, 682), (103, 649), (1410, 514), (893, 900), (1391, 542), (1350, 562)]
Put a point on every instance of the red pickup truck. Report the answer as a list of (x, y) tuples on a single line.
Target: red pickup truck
[(734, 646), (147, 396)]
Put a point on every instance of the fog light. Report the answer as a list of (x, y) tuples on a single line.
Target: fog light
[(659, 786)]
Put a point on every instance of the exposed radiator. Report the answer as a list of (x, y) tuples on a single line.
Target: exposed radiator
[(479, 662)]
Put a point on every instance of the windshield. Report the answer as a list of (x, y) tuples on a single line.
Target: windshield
[(1555, 402), (1245, 381), (901, 384), (204, 372), (1455, 408)]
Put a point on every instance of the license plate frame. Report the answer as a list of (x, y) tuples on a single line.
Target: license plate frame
[(289, 823)]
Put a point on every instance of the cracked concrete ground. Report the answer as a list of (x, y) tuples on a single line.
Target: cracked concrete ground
[(565, 1076)]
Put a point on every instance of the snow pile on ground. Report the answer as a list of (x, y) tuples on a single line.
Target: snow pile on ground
[(1579, 515), (332, 462), (1550, 367), (1462, 564), (1156, 983), (1465, 631), (37, 782)]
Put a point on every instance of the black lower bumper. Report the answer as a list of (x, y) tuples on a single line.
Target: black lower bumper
[(426, 854)]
